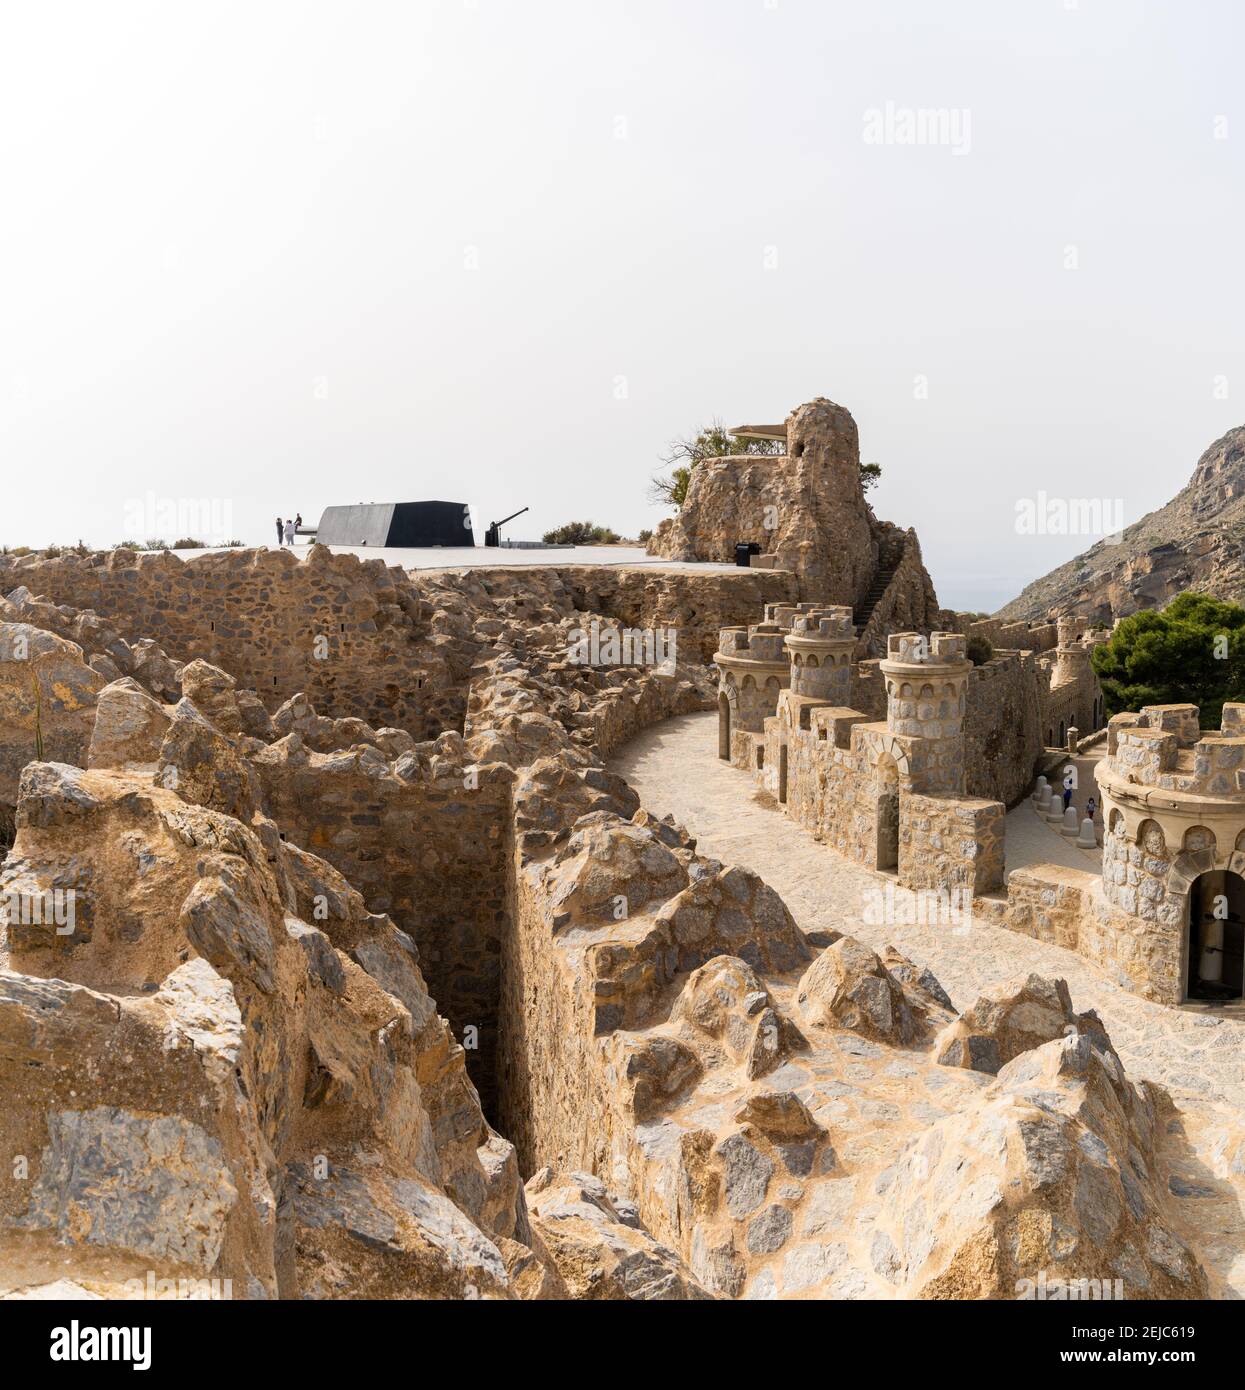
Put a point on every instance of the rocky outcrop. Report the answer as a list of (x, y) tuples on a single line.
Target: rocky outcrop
[(271, 1098), (848, 986), (807, 512), (1021, 1015), (1050, 1175), (47, 704), (599, 1245), (1194, 542)]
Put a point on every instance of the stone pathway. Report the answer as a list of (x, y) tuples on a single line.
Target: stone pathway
[(1198, 1057), (1032, 840)]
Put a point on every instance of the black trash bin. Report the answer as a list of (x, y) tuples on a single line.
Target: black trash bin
[(744, 550)]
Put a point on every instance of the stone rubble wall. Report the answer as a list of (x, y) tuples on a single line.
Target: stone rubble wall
[(946, 843), (361, 639), (1003, 727), (266, 617), (1018, 636), (425, 849)]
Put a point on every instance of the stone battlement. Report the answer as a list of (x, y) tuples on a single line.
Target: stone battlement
[(938, 649), (765, 643), (832, 624), (1164, 747)]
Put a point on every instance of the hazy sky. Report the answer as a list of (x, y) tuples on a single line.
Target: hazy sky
[(280, 255)]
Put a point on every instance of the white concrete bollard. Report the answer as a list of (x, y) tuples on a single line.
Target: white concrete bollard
[(1087, 839), (1071, 824), (1042, 789)]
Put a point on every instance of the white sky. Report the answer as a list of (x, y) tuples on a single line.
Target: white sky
[(236, 251)]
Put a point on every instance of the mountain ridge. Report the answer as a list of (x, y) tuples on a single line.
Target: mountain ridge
[(1195, 541)]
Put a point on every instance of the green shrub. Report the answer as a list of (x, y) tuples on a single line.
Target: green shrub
[(980, 649), (580, 533)]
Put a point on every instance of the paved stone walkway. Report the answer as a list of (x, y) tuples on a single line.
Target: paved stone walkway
[(1032, 840), (1198, 1057)]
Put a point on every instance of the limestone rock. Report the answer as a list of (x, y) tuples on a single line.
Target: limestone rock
[(807, 510), (231, 1048), (1021, 1015), (47, 702), (599, 1245), (212, 691), (727, 1002), (130, 726), (847, 986), (1051, 1173), (198, 762)]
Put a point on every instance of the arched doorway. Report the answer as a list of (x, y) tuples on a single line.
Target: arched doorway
[(724, 727), (887, 813), (1217, 936)]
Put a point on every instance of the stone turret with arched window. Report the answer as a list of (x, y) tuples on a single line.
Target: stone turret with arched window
[(1172, 912)]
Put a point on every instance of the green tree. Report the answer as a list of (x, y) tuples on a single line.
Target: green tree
[(1191, 652), (683, 454), (669, 489)]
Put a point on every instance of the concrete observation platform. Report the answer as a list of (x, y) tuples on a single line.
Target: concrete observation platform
[(490, 557)]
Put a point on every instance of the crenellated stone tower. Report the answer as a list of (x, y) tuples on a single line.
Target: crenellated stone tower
[(926, 697), (752, 670), (1171, 918), (821, 645)]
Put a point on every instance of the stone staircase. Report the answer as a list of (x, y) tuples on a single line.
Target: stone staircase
[(863, 611)]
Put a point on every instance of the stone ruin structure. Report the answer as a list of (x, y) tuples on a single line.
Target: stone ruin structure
[(1076, 699), (356, 972), (1165, 917), (887, 794), (1172, 908), (806, 510), (1014, 703)]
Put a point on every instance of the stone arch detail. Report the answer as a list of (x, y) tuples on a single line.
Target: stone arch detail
[(1187, 866), (1144, 829)]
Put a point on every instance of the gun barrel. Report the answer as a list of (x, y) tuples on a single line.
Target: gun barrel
[(512, 516)]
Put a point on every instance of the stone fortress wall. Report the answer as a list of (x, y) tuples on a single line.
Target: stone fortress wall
[(415, 826), (655, 1016), (898, 793), (359, 637), (345, 632), (1013, 701), (888, 794)]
